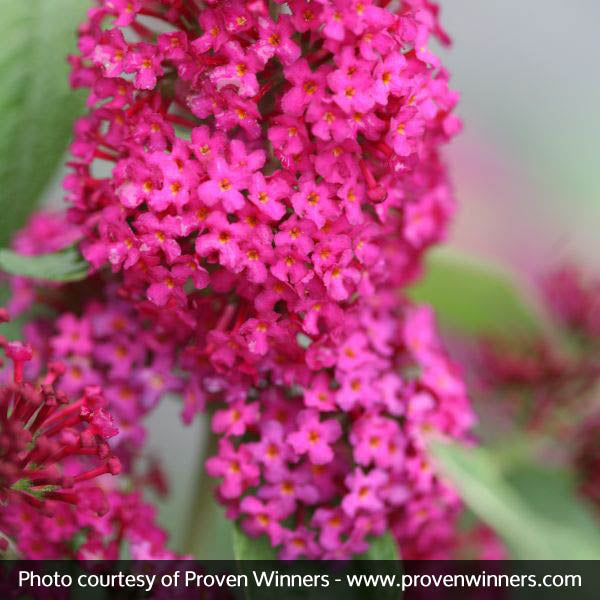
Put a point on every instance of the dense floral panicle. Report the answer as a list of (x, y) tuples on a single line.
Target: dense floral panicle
[(274, 175), (51, 446), (347, 124)]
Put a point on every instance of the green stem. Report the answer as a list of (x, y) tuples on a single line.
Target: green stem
[(208, 536)]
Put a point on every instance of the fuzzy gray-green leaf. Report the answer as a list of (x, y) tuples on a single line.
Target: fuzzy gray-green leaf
[(36, 103)]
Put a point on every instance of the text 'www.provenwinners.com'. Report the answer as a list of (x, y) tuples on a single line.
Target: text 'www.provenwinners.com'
[(277, 579)]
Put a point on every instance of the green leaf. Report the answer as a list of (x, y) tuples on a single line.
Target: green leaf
[(208, 532), (381, 548), (384, 550), (247, 548), (474, 298), (36, 104), (533, 508), (64, 265)]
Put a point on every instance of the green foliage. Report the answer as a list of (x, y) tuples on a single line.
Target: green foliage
[(381, 548), (209, 533), (36, 104), (533, 508), (474, 298), (64, 265), (247, 548)]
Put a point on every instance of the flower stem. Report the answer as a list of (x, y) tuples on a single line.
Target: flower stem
[(208, 535)]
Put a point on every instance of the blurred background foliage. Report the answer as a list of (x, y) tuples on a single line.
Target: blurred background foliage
[(527, 180), (36, 104)]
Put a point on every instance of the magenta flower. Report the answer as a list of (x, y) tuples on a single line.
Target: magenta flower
[(266, 195), (240, 71), (318, 395), (145, 61), (299, 542), (156, 235), (126, 11), (308, 87), (74, 336), (234, 466), (329, 122), (290, 487), (389, 77), (314, 202), (289, 138), (405, 131), (263, 517), (376, 440), (110, 53), (215, 34), (271, 450), (223, 186), (173, 46), (220, 240), (236, 419), (332, 523), (351, 83), (275, 39), (315, 437), (358, 389), (364, 491)]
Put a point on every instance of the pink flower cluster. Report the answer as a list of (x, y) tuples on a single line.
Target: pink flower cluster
[(49, 447), (322, 466), (99, 339), (79, 532), (55, 502), (262, 179), (41, 430), (382, 389), (574, 299), (108, 345), (270, 158), (544, 388)]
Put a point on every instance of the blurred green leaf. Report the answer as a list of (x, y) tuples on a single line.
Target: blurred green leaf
[(64, 265), (36, 104), (12, 329), (381, 548), (247, 548), (208, 533), (533, 508), (474, 298)]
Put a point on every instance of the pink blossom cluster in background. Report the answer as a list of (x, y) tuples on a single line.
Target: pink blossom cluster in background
[(273, 180), (100, 351), (53, 455), (547, 387)]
